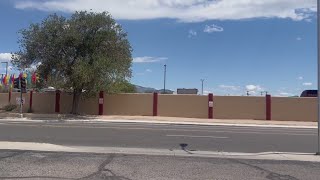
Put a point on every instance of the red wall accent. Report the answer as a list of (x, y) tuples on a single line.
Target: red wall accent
[(30, 103), (9, 96), (155, 104), (268, 107), (210, 109), (101, 96), (57, 107)]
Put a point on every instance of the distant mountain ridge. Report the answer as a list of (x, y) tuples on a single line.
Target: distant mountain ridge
[(141, 89)]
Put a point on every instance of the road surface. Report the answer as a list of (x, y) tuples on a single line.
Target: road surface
[(156, 136), (50, 165)]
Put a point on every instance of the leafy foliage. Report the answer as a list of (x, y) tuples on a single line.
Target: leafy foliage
[(87, 53), (9, 107)]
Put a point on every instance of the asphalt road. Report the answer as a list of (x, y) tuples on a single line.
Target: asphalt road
[(201, 138), (44, 165)]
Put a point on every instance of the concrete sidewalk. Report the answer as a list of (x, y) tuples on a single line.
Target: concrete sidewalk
[(159, 120)]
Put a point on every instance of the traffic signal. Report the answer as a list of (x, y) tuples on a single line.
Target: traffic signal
[(16, 83), (23, 84)]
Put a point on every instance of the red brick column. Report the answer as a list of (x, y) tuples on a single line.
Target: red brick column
[(9, 96), (30, 102), (268, 107), (155, 104), (101, 101), (57, 106), (210, 106)]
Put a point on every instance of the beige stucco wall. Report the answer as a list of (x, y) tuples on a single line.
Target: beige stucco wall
[(26, 96), (66, 103), (294, 109), (239, 107), (128, 104), (89, 106), (44, 102), (4, 98), (190, 106)]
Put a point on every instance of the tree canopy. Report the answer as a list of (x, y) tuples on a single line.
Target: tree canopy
[(87, 52)]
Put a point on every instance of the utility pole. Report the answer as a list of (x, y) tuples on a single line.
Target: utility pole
[(164, 80), (202, 81), (318, 43)]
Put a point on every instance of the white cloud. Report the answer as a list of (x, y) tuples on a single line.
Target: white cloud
[(299, 38), (192, 33), (300, 78), (148, 59), (5, 57), (182, 10), (148, 70), (233, 88), (284, 94), (254, 88), (307, 84), (206, 92), (212, 28)]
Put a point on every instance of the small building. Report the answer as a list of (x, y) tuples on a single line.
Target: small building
[(309, 93), (187, 91)]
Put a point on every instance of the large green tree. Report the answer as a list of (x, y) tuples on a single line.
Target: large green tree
[(85, 53)]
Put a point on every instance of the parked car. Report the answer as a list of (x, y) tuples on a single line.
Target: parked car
[(309, 93)]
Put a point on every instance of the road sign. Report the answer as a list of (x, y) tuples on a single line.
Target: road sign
[(18, 100), (210, 103)]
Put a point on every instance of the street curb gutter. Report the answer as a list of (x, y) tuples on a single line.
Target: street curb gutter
[(28, 117), (45, 147)]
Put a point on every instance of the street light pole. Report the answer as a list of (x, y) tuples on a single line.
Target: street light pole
[(202, 81), (164, 80), (318, 52)]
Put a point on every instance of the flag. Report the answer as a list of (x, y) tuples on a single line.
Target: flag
[(12, 79), (20, 76), (4, 80), (29, 78), (34, 78), (1, 79)]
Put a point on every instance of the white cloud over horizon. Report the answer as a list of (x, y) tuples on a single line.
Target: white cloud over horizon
[(192, 33), (182, 10), (213, 28), (300, 78), (148, 59), (230, 87), (5, 57), (307, 84), (254, 88)]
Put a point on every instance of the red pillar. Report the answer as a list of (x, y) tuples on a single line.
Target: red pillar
[(101, 101), (30, 102), (9, 96), (268, 107), (210, 106), (155, 104), (57, 107)]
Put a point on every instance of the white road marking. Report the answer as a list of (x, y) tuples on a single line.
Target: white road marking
[(214, 137)]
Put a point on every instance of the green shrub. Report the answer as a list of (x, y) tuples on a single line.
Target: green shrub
[(9, 107)]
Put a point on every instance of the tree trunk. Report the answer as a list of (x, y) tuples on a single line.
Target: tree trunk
[(76, 100)]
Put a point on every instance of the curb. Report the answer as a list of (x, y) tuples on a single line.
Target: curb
[(26, 120), (29, 117)]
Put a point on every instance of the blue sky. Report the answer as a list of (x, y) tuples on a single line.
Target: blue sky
[(235, 46)]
